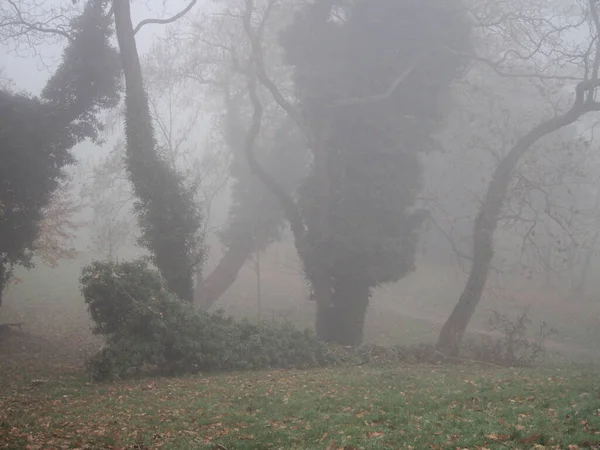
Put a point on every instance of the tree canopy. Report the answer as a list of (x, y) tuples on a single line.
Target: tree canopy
[(369, 77), (37, 134)]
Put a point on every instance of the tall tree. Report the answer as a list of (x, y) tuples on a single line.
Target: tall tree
[(168, 216), (369, 79), (255, 217), (211, 58), (37, 134), (534, 57)]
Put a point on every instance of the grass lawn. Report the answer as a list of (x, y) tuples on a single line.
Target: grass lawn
[(418, 407)]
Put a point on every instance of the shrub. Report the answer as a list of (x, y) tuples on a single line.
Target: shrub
[(146, 326), (516, 346)]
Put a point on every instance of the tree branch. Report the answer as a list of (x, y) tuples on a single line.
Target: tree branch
[(497, 67), (596, 20), (177, 16), (287, 202), (380, 97), (261, 71), (34, 26)]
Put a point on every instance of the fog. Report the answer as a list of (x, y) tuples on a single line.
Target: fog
[(381, 168)]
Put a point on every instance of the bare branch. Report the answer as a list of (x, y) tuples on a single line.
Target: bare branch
[(397, 82), (37, 26), (497, 67), (596, 19), (177, 16), (287, 202), (261, 71)]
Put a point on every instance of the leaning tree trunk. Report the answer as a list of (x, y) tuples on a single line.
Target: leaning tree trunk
[(208, 291), (452, 332)]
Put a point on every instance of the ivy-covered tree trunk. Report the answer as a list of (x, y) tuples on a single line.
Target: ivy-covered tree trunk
[(350, 303), (168, 218), (322, 293), (342, 305)]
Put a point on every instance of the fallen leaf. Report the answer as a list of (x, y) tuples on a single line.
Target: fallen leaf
[(376, 434)]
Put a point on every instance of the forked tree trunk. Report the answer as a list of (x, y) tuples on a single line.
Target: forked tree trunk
[(452, 332), (208, 291)]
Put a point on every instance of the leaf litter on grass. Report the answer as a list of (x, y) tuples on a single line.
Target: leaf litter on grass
[(358, 408)]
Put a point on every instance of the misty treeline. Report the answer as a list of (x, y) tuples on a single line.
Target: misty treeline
[(352, 127)]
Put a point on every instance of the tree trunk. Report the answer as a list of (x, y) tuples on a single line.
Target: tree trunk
[(322, 291), (350, 303), (579, 291), (3, 281), (452, 332), (454, 329), (165, 211), (341, 309), (208, 291)]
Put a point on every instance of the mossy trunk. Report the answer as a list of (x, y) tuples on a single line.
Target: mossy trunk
[(350, 303), (167, 215), (341, 311), (322, 292)]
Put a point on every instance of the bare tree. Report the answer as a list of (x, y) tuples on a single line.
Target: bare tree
[(59, 226), (543, 55), (108, 194)]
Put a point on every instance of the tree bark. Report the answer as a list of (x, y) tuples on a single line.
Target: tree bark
[(3, 281), (161, 200), (322, 293), (208, 291), (341, 309), (350, 303), (454, 328)]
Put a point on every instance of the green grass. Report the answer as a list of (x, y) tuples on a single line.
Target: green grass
[(353, 408)]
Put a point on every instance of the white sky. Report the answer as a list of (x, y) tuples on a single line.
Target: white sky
[(30, 75)]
